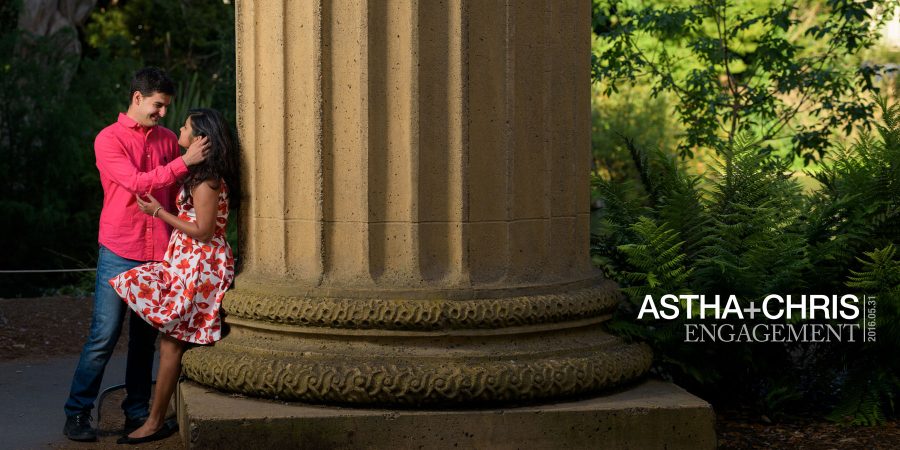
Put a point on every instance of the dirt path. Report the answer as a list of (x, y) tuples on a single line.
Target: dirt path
[(45, 327)]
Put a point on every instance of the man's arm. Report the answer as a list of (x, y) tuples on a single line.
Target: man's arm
[(115, 164)]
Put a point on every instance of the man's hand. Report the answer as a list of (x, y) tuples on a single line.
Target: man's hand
[(196, 153), (149, 206)]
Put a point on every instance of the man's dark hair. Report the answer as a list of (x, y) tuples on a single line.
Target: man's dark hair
[(149, 81)]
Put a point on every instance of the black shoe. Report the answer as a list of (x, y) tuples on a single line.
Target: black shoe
[(160, 434), (78, 428), (132, 424)]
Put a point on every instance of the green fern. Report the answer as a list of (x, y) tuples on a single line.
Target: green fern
[(871, 390), (694, 234), (658, 261), (753, 243), (747, 228), (858, 209), (864, 396), (880, 274), (858, 206)]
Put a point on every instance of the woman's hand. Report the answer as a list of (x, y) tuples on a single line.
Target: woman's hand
[(150, 206)]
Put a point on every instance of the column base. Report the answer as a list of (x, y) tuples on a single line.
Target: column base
[(419, 353), (650, 415)]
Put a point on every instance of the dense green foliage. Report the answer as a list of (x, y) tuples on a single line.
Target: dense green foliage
[(53, 103), (747, 228), (192, 40), (742, 91), (787, 72), (855, 231)]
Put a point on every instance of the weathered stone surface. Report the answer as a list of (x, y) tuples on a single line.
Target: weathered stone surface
[(439, 310), (366, 367), (415, 230), (415, 144), (652, 415)]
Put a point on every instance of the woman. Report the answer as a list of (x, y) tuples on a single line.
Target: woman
[(181, 295)]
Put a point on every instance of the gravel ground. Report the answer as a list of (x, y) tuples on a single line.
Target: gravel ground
[(737, 430), (42, 328)]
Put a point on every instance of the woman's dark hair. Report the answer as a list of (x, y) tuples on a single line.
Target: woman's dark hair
[(149, 81), (222, 158)]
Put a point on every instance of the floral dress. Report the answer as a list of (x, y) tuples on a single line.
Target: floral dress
[(181, 295)]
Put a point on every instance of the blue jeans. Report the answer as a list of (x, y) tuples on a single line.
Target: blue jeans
[(106, 325)]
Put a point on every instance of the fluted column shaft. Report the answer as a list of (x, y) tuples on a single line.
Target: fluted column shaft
[(415, 144)]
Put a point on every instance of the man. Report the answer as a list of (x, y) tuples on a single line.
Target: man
[(134, 156)]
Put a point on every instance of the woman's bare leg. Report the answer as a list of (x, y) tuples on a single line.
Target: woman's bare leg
[(170, 352)]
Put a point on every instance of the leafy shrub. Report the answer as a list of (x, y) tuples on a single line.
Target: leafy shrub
[(781, 70), (747, 228), (50, 197)]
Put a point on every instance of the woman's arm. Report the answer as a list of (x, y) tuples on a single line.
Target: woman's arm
[(205, 208)]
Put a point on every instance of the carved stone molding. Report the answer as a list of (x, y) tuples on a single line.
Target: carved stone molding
[(423, 314), (427, 352), (355, 379)]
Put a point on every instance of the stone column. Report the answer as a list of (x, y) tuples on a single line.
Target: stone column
[(416, 224)]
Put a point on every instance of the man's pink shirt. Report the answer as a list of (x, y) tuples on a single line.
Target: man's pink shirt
[(133, 160)]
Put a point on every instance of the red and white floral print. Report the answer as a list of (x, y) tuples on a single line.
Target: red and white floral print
[(181, 295)]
